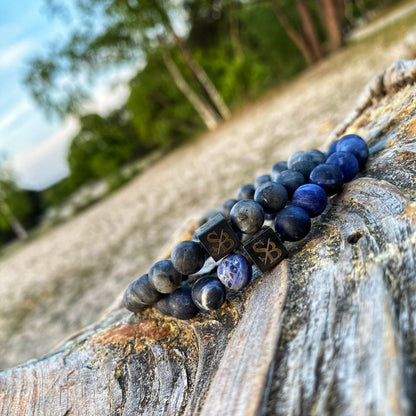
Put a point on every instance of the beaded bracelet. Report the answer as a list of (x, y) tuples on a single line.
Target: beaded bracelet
[(237, 238)]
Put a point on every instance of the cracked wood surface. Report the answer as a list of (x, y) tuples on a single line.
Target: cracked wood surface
[(329, 331)]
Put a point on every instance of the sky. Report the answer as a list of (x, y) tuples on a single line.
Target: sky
[(35, 147)]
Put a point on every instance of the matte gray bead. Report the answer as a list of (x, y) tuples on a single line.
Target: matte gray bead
[(271, 196), (188, 257), (164, 277), (140, 294), (247, 215)]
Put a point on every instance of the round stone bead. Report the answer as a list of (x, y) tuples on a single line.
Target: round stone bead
[(247, 216), (316, 156), (234, 272), (246, 192), (164, 277), (329, 177), (178, 304), (277, 168), (347, 162), (351, 136), (296, 157), (140, 294), (208, 293), (188, 257), (332, 148), (226, 207), (292, 223), (291, 180), (312, 198), (305, 167), (355, 145), (272, 196), (261, 179)]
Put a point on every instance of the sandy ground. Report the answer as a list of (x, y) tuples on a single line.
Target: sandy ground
[(66, 278)]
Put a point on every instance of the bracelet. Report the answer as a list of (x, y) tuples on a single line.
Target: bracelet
[(236, 237)]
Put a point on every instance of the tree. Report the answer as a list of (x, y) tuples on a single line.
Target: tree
[(332, 16), (14, 205), (128, 32)]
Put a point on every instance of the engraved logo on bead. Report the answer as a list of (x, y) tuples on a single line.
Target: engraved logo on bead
[(271, 251), (225, 243)]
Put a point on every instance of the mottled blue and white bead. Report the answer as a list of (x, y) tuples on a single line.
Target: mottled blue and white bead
[(234, 272)]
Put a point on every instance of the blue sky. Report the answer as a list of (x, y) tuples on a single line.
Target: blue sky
[(34, 146)]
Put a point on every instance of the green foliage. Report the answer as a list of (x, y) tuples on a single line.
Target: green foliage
[(23, 205), (160, 113)]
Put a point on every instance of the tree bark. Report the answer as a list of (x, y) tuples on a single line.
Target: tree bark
[(329, 331), (293, 34), (210, 119), (333, 15)]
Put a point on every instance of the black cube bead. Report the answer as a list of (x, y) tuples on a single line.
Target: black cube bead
[(217, 237), (265, 249)]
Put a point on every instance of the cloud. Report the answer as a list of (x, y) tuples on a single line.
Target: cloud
[(14, 54), (44, 164), (8, 118)]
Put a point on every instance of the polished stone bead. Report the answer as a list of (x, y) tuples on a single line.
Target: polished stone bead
[(178, 304), (140, 294), (261, 179), (355, 145), (234, 272), (188, 257), (312, 198), (217, 237), (329, 177), (295, 157), (277, 168), (347, 162), (305, 167), (226, 207), (272, 196), (164, 277), (265, 249), (292, 223), (316, 156), (246, 192), (291, 180), (247, 216), (332, 148), (208, 293)]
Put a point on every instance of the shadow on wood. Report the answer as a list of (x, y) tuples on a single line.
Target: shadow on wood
[(332, 330)]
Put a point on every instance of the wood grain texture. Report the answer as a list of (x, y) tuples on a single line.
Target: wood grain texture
[(332, 330)]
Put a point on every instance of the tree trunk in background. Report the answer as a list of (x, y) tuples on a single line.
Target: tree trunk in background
[(201, 76), (340, 341), (208, 116), (235, 34), (196, 70), (296, 37), (333, 16), (309, 30), (17, 227)]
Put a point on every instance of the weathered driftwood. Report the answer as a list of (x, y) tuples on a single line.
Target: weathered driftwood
[(332, 330)]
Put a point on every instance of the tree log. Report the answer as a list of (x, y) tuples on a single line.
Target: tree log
[(331, 330)]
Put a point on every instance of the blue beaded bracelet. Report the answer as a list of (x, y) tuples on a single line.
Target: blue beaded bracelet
[(236, 237)]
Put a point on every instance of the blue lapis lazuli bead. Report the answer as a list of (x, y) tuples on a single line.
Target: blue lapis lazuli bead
[(234, 272), (347, 162), (329, 177), (355, 145), (292, 223), (312, 198)]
